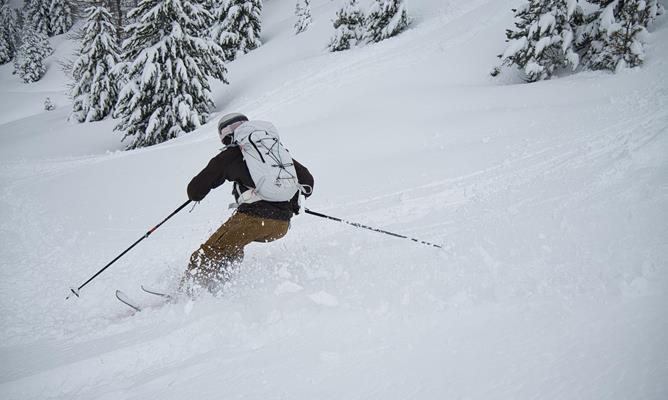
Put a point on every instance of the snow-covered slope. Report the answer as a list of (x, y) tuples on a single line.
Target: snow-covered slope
[(551, 200)]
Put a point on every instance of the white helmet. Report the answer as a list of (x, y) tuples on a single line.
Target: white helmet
[(227, 120)]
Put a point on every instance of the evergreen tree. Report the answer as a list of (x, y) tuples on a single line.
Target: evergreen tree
[(28, 10), (37, 14), (239, 27), (18, 39), (60, 12), (119, 10), (349, 25), (386, 18), (168, 58), (48, 104), (249, 23), (613, 35), (94, 91), (49, 17), (543, 40), (30, 58), (223, 31), (8, 32), (303, 14)]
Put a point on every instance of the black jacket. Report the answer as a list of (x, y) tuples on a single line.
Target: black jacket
[(229, 165)]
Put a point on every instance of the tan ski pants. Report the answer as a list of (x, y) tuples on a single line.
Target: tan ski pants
[(209, 265)]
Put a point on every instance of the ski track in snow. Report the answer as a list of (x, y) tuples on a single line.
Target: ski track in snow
[(550, 200)]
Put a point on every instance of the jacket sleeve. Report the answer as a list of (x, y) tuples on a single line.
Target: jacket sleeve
[(304, 176), (212, 176)]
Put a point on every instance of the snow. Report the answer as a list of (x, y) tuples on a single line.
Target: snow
[(571, 6), (533, 68), (546, 23), (514, 46), (573, 59), (542, 44), (641, 5), (566, 41), (607, 21), (288, 287), (550, 198), (324, 298)]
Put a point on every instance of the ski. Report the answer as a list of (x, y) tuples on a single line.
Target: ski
[(123, 298), (156, 293)]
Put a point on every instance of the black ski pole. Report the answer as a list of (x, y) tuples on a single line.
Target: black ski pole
[(358, 225), (147, 234)]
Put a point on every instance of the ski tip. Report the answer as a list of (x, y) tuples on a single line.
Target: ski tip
[(123, 298), (155, 292)]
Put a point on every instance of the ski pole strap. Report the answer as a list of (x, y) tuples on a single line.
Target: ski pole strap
[(358, 225)]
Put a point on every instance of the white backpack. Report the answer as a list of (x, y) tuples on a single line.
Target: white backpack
[(269, 163)]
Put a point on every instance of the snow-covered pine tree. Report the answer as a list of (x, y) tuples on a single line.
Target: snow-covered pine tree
[(119, 10), (30, 58), (613, 35), (243, 17), (349, 27), (222, 31), (94, 91), (36, 14), (237, 27), (18, 38), (7, 50), (249, 21), (48, 104), (586, 26), (27, 12), (8, 32), (303, 14), (169, 58), (49, 17), (60, 12), (542, 40), (386, 18)]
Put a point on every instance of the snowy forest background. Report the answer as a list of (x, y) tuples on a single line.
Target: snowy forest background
[(148, 63), (528, 138)]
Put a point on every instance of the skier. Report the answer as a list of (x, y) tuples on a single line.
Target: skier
[(256, 218)]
